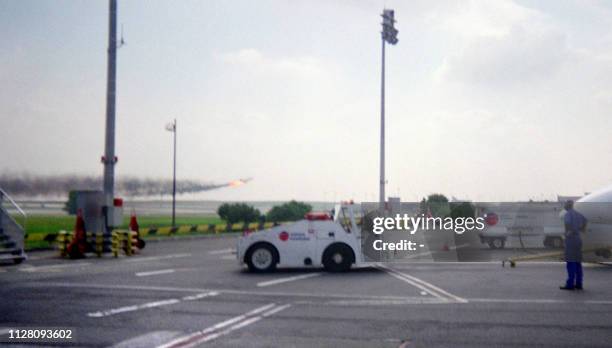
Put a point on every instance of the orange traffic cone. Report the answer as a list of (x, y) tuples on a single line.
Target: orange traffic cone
[(78, 245), (135, 228)]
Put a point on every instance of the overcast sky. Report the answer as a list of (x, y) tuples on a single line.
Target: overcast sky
[(486, 100)]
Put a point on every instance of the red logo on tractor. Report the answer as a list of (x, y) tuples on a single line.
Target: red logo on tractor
[(491, 219), (284, 236)]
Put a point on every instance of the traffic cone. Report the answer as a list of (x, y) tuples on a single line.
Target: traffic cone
[(135, 228), (78, 246)]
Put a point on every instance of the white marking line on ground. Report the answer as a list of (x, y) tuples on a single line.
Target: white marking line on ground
[(536, 300), (217, 326), (153, 258), (286, 279), (222, 251), (4, 331), (53, 267), (150, 273), (277, 294), (421, 284), (209, 333), (147, 305), (407, 301), (224, 291), (199, 296)]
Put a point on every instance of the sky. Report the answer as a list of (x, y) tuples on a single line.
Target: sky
[(485, 100)]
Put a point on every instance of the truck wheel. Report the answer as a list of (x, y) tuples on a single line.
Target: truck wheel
[(497, 243), (261, 258), (338, 258)]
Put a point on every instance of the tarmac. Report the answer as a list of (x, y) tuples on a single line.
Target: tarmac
[(192, 292)]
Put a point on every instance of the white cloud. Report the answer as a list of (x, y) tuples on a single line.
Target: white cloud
[(501, 43), (475, 19), (254, 61)]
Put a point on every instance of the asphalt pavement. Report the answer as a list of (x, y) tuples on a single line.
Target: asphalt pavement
[(188, 293)]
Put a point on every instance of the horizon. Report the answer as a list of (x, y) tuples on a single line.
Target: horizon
[(485, 101)]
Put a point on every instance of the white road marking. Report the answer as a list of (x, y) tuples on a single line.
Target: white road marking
[(421, 284), (150, 339), (132, 308), (153, 258), (4, 331), (212, 332), (147, 305), (53, 267), (228, 257), (215, 327), (277, 294), (150, 273), (221, 251), (199, 296), (286, 279), (378, 302)]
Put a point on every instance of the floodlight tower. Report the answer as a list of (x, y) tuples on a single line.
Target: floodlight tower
[(109, 158), (389, 35)]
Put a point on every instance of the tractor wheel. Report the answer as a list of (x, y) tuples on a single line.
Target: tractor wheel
[(338, 258), (261, 258), (497, 243)]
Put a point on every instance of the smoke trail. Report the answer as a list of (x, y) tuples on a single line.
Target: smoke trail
[(60, 185)]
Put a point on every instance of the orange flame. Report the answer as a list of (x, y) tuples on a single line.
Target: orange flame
[(236, 183)]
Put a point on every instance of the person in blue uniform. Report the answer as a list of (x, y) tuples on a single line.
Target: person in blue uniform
[(575, 223)]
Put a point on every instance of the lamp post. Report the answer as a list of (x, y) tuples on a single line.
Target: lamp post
[(109, 159), (172, 128), (389, 35)]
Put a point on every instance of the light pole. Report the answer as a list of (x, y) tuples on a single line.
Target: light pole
[(389, 34), (172, 128), (109, 158)]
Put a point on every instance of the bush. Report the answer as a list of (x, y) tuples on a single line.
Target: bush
[(438, 205), (291, 211), (463, 209), (238, 212)]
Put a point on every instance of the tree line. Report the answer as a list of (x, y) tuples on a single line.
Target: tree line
[(242, 212)]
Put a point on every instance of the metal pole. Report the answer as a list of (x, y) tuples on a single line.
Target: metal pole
[(109, 147), (382, 130), (174, 181)]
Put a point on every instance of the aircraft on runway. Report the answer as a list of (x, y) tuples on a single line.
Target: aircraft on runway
[(597, 208), (596, 241)]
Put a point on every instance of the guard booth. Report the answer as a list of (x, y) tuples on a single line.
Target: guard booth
[(99, 219)]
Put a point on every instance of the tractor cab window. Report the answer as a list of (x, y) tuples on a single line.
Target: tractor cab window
[(343, 216)]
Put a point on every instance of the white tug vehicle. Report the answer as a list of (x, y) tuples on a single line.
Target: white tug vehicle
[(319, 240)]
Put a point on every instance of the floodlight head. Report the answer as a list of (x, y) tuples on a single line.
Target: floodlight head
[(388, 17), (389, 33)]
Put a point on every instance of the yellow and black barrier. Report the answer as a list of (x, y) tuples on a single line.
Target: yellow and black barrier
[(63, 239), (96, 241), (124, 240)]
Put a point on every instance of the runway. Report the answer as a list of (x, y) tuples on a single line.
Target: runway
[(189, 293)]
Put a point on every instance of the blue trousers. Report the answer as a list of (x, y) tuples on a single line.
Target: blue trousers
[(574, 274)]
